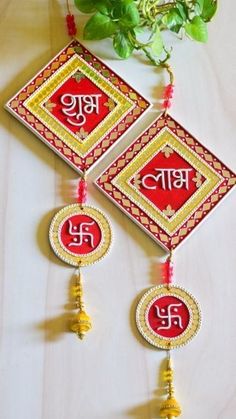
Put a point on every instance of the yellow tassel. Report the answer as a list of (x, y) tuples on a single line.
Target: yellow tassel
[(170, 408), (82, 325), (168, 375)]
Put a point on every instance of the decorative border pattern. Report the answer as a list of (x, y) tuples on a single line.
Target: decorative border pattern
[(135, 107), (222, 182), (159, 341), (35, 101), (68, 257)]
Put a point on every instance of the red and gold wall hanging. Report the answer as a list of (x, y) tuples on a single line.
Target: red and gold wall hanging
[(167, 182), (80, 108), (80, 235)]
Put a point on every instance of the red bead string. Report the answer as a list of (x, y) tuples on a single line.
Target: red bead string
[(71, 26), (167, 96), (82, 191), (70, 21), (167, 271)]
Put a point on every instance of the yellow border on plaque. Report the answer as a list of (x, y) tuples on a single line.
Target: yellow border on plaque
[(121, 181), (80, 260), (35, 102), (157, 340)]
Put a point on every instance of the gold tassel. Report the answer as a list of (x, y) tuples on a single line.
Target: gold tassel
[(82, 323), (170, 408)]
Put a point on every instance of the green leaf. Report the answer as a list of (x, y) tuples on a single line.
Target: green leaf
[(157, 43), (99, 26), (199, 6), (183, 10), (173, 19), (209, 9), (127, 13), (197, 29), (85, 6), (122, 45), (138, 30), (103, 6)]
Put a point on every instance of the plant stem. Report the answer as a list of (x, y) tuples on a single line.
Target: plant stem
[(149, 9), (163, 64)]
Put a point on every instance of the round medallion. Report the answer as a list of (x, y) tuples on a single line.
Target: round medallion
[(80, 236), (168, 318)]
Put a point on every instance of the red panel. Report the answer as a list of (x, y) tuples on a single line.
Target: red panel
[(82, 87), (80, 234), (159, 196), (168, 316)]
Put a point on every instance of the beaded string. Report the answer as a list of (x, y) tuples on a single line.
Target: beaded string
[(169, 89), (78, 290), (82, 322), (70, 21), (170, 407), (168, 270), (82, 190)]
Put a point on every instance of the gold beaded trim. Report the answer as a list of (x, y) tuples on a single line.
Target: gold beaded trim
[(36, 100)]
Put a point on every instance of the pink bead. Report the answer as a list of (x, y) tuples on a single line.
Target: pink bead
[(166, 104), (82, 191), (168, 91), (71, 26), (167, 271)]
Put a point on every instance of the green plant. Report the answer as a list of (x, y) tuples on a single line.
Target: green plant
[(124, 21)]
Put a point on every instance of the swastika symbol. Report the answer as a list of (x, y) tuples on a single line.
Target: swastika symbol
[(81, 234), (169, 316)]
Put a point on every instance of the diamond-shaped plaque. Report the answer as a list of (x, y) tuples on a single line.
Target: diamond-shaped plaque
[(78, 106), (167, 182)]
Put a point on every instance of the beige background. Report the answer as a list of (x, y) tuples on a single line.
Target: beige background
[(45, 372)]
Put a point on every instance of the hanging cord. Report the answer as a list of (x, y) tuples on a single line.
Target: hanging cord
[(78, 290), (70, 21), (169, 89)]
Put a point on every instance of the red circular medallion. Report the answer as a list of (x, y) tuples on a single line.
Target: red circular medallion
[(80, 234), (168, 316)]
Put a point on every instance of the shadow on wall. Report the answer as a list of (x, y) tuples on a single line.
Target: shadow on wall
[(53, 329), (151, 409)]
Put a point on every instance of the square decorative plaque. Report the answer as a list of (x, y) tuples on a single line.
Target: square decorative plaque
[(78, 106), (167, 182)]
